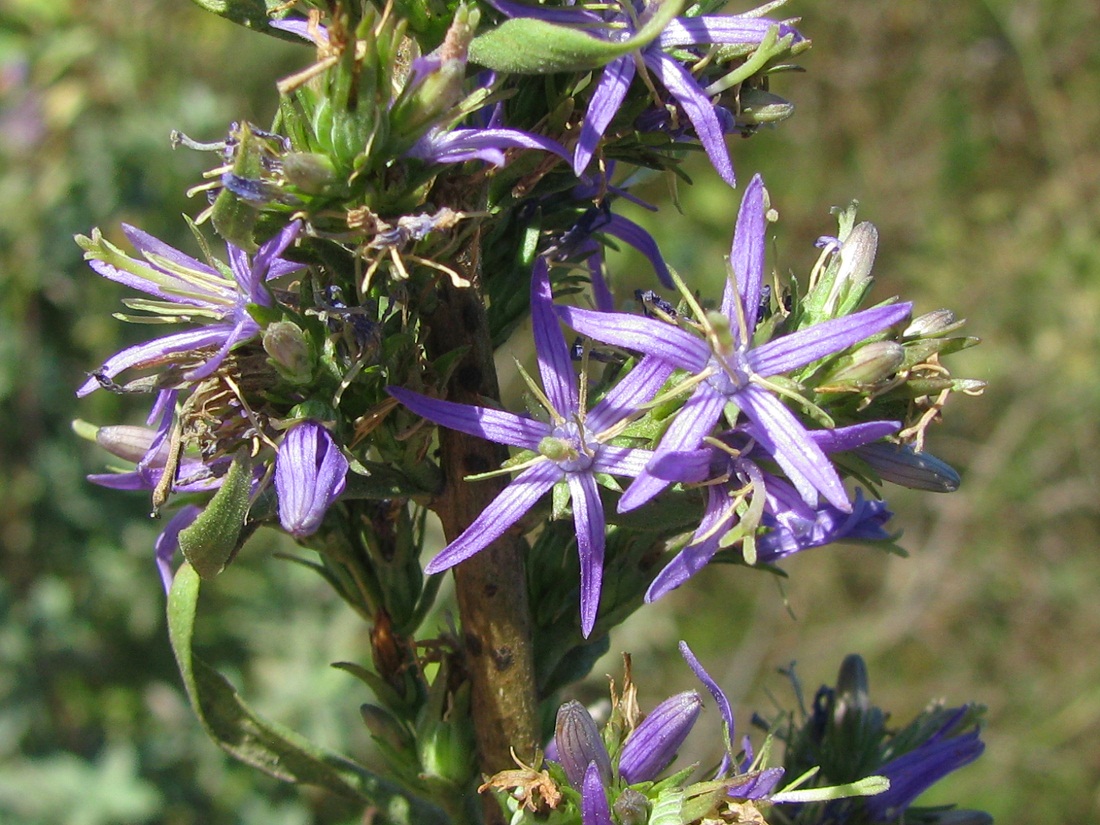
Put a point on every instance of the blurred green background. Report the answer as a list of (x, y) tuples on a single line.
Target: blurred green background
[(970, 134)]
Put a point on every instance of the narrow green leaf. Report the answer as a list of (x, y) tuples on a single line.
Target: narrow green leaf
[(252, 14), (266, 745), (211, 540), (527, 45)]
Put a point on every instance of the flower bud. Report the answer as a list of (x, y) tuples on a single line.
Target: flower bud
[(632, 808), (932, 323), (285, 342), (852, 688), (903, 465), (579, 744), (310, 474), (126, 441), (309, 171), (758, 106), (869, 364), (594, 807), (653, 744)]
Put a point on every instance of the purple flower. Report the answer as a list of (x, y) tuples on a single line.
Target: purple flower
[(623, 20), (732, 369), (757, 784), (310, 474), (794, 525), (912, 773), (577, 744), (652, 746), (186, 289), (594, 807), (572, 449), (461, 145)]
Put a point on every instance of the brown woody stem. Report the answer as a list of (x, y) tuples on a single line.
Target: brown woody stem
[(492, 591)]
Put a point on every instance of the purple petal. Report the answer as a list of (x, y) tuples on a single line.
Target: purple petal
[(594, 807), (758, 785), (186, 293), (606, 99), (164, 550), (792, 351), (492, 425), (156, 351), (144, 243), (461, 145), (653, 744), (914, 772), (747, 259), (694, 421), (733, 29), (588, 518), (244, 329), (503, 511), (855, 435), (555, 364), (310, 474), (567, 17), (691, 466), (623, 400), (791, 446), (622, 461), (626, 230), (267, 265), (715, 691), (697, 107), (698, 554), (601, 292), (646, 335)]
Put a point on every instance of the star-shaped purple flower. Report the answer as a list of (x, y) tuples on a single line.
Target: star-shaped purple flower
[(620, 21), (188, 289), (572, 449), (731, 369), (794, 525)]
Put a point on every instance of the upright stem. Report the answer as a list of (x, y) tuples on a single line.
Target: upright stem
[(492, 591)]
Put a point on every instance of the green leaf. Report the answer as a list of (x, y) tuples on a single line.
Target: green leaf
[(527, 45), (266, 745), (252, 14), (212, 539)]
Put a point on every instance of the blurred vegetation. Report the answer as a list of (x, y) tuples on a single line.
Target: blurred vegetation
[(968, 132)]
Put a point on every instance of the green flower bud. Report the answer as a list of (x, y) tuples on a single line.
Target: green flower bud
[(309, 171), (869, 364), (758, 107), (933, 323), (289, 349)]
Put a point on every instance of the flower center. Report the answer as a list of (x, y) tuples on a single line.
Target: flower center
[(566, 447), (730, 373)]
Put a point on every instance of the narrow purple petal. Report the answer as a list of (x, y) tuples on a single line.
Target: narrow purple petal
[(623, 400), (913, 773), (588, 518), (697, 107), (791, 445), (503, 511), (310, 474), (652, 746), (622, 461), (792, 351), (216, 299), (555, 364), (691, 466), (595, 809), (244, 329), (164, 549), (267, 265), (707, 29), (601, 292), (156, 351), (758, 785), (640, 334), (492, 425), (855, 435), (144, 242), (606, 99), (626, 230), (461, 145), (715, 691), (747, 259), (694, 421), (568, 17), (698, 554)]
